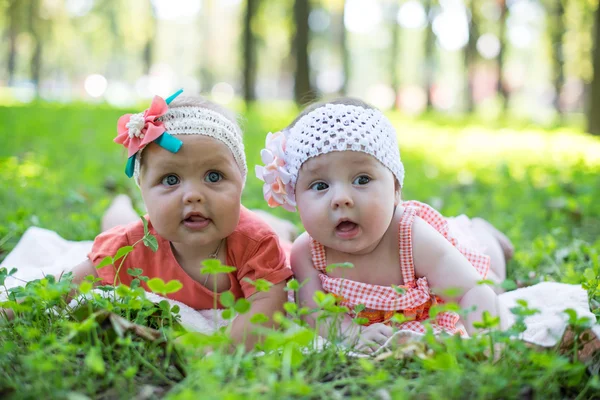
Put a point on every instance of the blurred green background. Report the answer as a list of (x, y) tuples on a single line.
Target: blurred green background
[(532, 59)]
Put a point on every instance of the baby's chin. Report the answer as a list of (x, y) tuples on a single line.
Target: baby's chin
[(357, 246), (340, 245)]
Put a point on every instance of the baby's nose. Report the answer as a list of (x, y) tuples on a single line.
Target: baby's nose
[(342, 198), (193, 194)]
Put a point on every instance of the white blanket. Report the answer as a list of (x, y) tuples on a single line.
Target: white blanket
[(42, 252)]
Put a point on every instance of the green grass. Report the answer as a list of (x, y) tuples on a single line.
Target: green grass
[(541, 187)]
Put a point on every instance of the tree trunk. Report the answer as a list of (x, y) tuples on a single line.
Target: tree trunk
[(36, 57), (556, 27), (429, 56), (12, 41), (303, 92), (593, 110), (345, 52), (249, 52), (110, 12), (501, 87), (471, 57), (148, 53)]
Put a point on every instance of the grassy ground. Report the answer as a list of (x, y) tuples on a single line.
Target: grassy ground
[(59, 169)]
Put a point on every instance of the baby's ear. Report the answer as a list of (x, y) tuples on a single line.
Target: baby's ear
[(397, 194)]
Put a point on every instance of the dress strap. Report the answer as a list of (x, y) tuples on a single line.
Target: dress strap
[(479, 260), (319, 257), (407, 265)]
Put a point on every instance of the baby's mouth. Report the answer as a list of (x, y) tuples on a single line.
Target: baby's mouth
[(346, 226), (195, 218), (196, 221)]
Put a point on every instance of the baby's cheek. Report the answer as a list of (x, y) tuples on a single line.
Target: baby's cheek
[(229, 217)]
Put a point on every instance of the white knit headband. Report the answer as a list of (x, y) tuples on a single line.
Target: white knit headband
[(190, 120), (332, 127)]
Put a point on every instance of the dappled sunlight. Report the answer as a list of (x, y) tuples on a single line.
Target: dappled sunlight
[(477, 148), (95, 85), (176, 9), (20, 171), (362, 16)]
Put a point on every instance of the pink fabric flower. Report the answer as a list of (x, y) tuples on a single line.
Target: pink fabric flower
[(135, 131), (277, 190)]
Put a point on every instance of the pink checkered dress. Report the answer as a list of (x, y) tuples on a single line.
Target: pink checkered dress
[(382, 302)]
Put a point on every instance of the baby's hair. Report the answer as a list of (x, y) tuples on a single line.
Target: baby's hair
[(349, 101)]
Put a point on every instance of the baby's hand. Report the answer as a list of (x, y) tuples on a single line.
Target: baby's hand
[(373, 337)]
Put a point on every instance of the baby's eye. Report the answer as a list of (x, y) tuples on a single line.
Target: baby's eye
[(318, 186), (213, 177), (362, 180), (170, 180)]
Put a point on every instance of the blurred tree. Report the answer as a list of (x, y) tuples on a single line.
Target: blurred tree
[(429, 53), (113, 36), (148, 51), (345, 53), (274, 29), (577, 48), (556, 28), (35, 25), (250, 52), (303, 92), (13, 17), (593, 110), (501, 86), (470, 55)]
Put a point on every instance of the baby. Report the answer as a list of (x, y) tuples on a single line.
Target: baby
[(339, 163), (186, 155)]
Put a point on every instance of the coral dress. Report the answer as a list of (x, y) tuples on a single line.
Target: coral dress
[(415, 298)]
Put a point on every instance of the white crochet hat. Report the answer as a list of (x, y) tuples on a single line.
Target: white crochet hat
[(331, 127), (196, 120)]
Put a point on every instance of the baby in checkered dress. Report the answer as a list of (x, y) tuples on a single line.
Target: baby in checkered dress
[(339, 164)]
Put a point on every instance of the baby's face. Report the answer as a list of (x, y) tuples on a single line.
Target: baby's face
[(346, 200), (192, 196)]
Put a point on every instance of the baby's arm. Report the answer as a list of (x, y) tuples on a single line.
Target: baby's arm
[(266, 303), (446, 268), (82, 270), (79, 273)]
